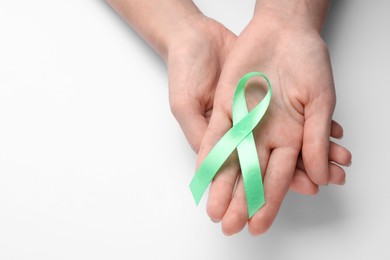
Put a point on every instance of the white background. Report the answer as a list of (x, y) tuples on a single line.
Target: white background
[(79, 179)]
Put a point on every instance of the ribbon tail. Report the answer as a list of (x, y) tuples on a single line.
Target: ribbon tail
[(251, 174), (213, 162)]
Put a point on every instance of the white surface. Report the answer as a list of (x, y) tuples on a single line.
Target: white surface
[(79, 180)]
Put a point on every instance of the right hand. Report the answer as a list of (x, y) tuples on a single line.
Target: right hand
[(195, 60)]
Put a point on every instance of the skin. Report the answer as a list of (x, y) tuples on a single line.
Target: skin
[(283, 42), (205, 61)]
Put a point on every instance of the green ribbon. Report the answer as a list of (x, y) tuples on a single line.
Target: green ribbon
[(238, 137)]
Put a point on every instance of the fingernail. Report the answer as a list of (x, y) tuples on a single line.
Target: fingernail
[(214, 220)]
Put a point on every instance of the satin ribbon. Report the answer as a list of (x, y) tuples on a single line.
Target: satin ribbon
[(239, 137)]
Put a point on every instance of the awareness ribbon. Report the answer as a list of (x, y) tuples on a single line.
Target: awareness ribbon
[(238, 137)]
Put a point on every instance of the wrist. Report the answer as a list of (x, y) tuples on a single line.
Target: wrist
[(299, 14), (278, 37), (177, 33), (157, 21), (167, 36)]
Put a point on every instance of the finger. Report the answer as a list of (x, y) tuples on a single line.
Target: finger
[(223, 184), (236, 215), (336, 130), (302, 184), (221, 189), (339, 154), (191, 118), (336, 174), (315, 148), (277, 181)]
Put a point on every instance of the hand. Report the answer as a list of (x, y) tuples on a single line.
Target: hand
[(299, 117), (195, 60)]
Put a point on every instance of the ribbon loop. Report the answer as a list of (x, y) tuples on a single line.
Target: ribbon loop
[(239, 137)]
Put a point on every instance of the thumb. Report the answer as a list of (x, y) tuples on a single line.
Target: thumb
[(316, 139)]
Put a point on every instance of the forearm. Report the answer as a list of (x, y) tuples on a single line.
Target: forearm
[(305, 13), (156, 21)]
